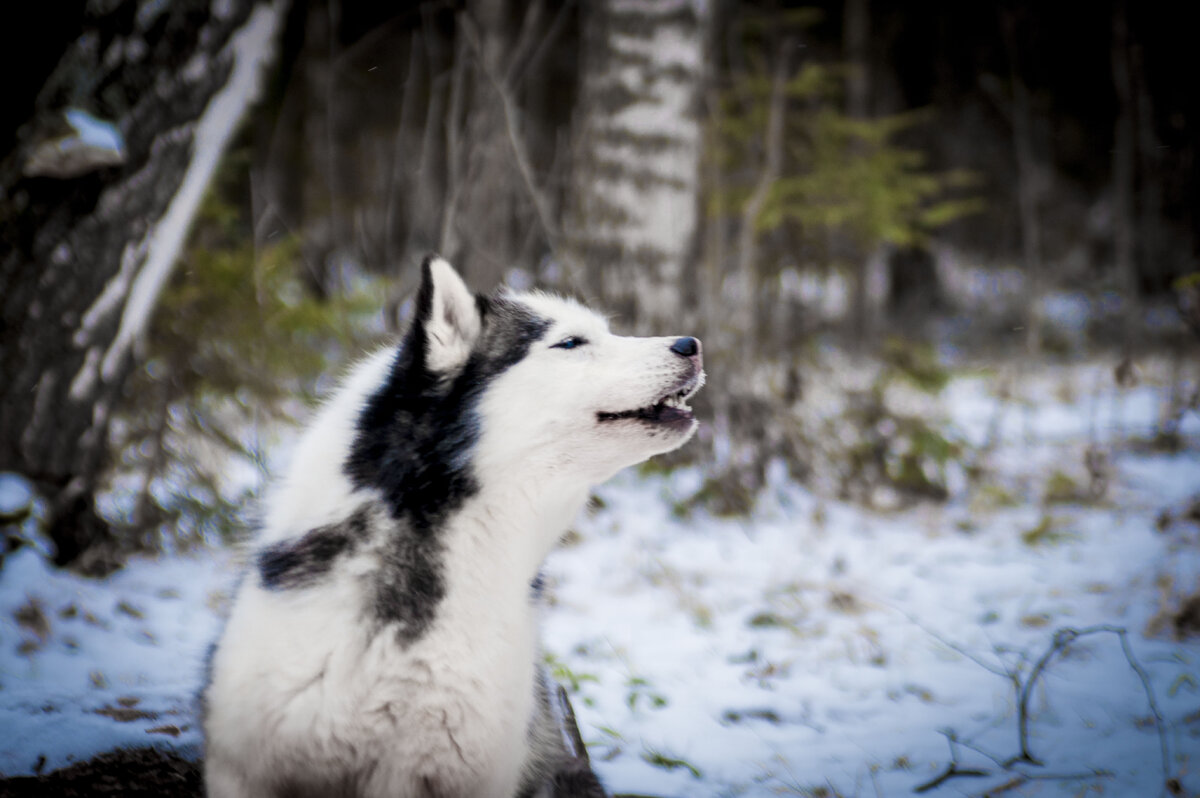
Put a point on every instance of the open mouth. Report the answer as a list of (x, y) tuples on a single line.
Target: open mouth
[(671, 409)]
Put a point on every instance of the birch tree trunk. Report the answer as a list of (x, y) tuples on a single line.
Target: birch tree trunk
[(89, 244), (632, 219)]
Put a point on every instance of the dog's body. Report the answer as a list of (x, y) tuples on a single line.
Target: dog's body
[(385, 643)]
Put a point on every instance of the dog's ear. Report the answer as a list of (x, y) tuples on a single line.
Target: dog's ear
[(448, 313)]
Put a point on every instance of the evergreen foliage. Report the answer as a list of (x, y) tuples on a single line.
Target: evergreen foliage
[(238, 343), (841, 175)]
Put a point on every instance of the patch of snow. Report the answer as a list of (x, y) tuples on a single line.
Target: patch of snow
[(1069, 311), (112, 662), (812, 645), (96, 133), (820, 645), (16, 495), (92, 143), (85, 379)]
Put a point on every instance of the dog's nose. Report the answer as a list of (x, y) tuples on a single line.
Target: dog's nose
[(687, 347)]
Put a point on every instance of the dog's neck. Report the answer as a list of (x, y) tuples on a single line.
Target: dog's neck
[(501, 536)]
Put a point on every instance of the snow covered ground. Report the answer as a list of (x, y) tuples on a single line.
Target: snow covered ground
[(812, 649)]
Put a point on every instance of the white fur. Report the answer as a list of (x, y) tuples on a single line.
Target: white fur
[(453, 324), (304, 688), (315, 490)]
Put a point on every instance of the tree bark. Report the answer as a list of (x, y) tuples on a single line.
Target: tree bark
[(746, 311), (1028, 189), (632, 217), (88, 249), (856, 35), (1124, 146)]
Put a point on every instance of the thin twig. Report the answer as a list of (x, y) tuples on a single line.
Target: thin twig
[(1025, 775), (772, 169), (1011, 784), (977, 749), (1021, 779), (528, 35), (999, 671), (1062, 639), (398, 184), (518, 70), (454, 182), (952, 771), (1159, 723), (536, 197)]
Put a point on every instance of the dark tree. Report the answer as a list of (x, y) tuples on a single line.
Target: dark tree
[(111, 147)]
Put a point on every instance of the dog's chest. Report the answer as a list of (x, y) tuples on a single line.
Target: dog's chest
[(455, 706)]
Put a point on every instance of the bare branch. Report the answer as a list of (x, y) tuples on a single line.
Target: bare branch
[(398, 179), (454, 180), (525, 40), (1062, 640), (517, 70), (1159, 723), (540, 204), (950, 644), (1021, 779), (771, 170), (952, 771)]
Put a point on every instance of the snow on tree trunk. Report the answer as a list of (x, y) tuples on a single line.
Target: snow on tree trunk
[(91, 245), (632, 220)]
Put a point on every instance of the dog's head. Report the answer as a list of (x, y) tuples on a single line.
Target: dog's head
[(542, 385)]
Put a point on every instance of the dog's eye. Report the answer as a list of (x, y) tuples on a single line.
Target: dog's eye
[(569, 343)]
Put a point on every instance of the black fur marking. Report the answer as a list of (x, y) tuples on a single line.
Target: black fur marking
[(201, 697), (558, 770), (576, 780), (413, 444), (537, 586), (301, 562)]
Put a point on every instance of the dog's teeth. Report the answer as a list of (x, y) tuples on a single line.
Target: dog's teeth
[(676, 401)]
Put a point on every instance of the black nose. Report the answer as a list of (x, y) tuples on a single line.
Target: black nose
[(686, 347)]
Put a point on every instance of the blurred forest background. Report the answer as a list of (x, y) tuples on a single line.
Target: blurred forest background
[(837, 197), (944, 258)]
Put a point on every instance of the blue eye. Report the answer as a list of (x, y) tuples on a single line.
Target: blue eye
[(569, 343)]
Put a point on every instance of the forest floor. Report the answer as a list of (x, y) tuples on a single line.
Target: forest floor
[(814, 648)]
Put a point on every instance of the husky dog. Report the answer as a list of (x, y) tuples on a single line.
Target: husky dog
[(384, 643)]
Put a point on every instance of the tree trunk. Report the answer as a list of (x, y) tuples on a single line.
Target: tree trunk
[(1155, 261), (1124, 146), (1028, 189), (856, 35), (632, 218), (89, 244), (746, 309)]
